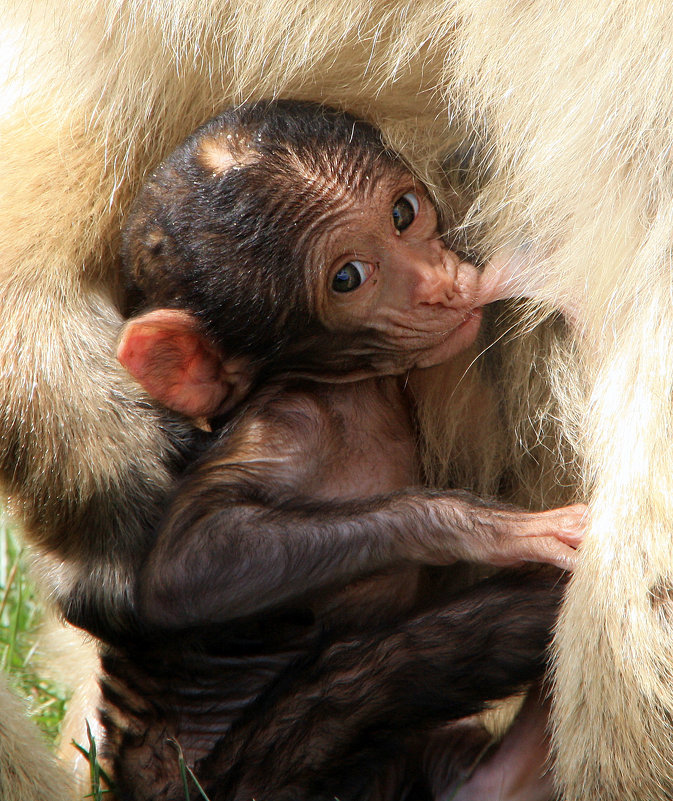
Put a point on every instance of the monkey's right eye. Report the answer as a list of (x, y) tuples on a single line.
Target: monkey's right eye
[(351, 276), (405, 211)]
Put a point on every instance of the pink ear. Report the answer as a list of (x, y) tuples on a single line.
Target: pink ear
[(166, 353)]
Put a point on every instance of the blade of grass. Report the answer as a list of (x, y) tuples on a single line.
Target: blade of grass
[(97, 773), (8, 586), (186, 771)]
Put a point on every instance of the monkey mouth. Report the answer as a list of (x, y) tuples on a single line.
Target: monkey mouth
[(474, 313), (467, 329), (456, 340)]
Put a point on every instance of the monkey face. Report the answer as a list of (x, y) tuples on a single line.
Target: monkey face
[(388, 273), (301, 243)]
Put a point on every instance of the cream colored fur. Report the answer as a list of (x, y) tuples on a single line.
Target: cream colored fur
[(27, 772), (556, 117)]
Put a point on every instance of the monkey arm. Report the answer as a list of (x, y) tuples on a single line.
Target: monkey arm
[(244, 533), (240, 559)]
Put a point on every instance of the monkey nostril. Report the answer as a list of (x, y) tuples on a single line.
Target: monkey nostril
[(436, 289)]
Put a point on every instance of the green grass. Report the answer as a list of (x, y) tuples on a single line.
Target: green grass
[(20, 617)]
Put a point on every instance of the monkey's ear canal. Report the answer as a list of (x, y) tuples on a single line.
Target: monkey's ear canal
[(170, 358)]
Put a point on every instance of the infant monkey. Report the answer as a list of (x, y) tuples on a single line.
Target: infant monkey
[(292, 271)]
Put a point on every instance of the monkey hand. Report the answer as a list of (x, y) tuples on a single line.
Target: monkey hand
[(551, 537), (505, 536)]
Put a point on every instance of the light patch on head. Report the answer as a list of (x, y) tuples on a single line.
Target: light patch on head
[(219, 154), (155, 239)]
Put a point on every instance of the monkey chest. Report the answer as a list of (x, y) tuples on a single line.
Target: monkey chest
[(364, 468), (367, 446)]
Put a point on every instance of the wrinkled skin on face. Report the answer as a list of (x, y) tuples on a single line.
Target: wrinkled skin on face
[(388, 270), (387, 293)]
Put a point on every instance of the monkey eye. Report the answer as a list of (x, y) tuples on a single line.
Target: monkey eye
[(405, 211), (351, 276)]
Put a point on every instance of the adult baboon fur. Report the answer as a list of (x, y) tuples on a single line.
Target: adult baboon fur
[(555, 121), (26, 769)]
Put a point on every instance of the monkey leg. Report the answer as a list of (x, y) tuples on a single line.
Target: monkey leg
[(331, 727)]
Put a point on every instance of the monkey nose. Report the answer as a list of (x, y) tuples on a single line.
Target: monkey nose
[(434, 285)]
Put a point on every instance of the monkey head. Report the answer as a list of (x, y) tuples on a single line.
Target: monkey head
[(284, 237)]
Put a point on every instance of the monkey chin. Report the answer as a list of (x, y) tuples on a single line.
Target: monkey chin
[(457, 340)]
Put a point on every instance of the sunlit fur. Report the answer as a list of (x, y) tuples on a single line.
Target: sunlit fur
[(26, 771), (562, 111)]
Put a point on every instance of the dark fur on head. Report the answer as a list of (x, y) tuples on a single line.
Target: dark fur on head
[(224, 226)]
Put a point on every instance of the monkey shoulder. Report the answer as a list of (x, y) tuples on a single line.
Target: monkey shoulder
[(361, 439), (285, 419), (286, 416), (274, 446)]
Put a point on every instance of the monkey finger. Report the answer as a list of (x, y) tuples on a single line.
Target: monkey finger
[(570, 523), (541, 549), (548, 550), (566, 524)]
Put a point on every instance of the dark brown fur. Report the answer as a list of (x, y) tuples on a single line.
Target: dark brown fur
[(290, 620), (352, 713)]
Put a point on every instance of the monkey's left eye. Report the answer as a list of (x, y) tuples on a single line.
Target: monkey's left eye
[(351, 276), (405, 211)]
